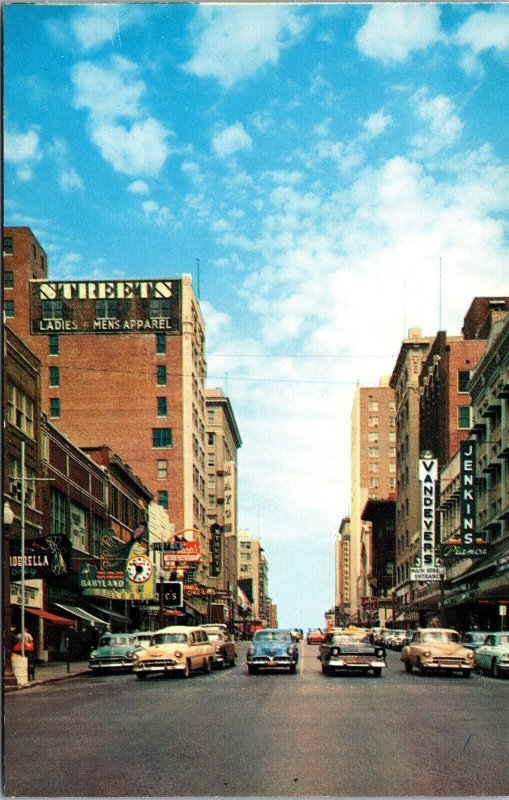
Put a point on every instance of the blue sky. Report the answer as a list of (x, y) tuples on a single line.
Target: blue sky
[(320, 161)]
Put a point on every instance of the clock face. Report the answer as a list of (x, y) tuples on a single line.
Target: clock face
[(139, 569)]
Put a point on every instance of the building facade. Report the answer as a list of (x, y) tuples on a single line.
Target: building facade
[(123, 362), (373, 468)]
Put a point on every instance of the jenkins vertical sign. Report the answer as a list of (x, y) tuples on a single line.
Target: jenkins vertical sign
[(468, 460)]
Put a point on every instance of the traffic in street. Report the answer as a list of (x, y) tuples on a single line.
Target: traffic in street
[(273, 733)]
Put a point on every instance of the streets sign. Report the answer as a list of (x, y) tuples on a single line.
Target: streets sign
[(427, 573)]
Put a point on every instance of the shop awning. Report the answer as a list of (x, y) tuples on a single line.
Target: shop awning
[(82, 614), (193, 610), (56, 620), (110, 613)]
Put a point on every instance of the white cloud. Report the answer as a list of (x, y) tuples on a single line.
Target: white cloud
[(95, 25), (486, 30), (377, 123), (233, 43), (138, 187), (112, 94), (161, 215), (231, 140), (23, 150), (393, 31), (69, 180), (443, 126)]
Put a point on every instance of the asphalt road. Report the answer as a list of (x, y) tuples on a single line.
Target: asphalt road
[(276, 735)]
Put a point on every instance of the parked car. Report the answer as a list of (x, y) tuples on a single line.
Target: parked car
[(395, 639), (493, 655), (409, 635), (376, 635), (298, 634), (272, 648), (434, 649), (144, 638), (179, 649), (315, 636), (474, 639), (342, 651), (224, 648), (114, 652)]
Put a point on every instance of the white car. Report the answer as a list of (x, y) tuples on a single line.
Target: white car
[(179, 649), (493, 655)]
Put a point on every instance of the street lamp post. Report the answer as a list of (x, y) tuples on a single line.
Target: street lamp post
[(8, 519)]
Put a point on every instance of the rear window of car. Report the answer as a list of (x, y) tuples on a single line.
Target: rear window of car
[(169, 638), (440, 636)]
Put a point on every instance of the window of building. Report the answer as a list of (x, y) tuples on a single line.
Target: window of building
[(8, 279), (58, 511), (373, 422), (126, 511), (9, 308), (211, 415), (97, 533), (160, 307), (8, 246), (54, 407), (373, 405), (162, 499), (392, 483), (20, 410), (53, 344), (162, 469), (463, 379), (106, 309), (373, 466), (78, 527), (34, 251), (114, 497), (160, 343), (15, 482), (162, 407), (373, 452), (463, 417), (54, 376), (161, 375), (392, 437), (372, 437), (374, 483), (52, 309), (161, 437), (211, 438)]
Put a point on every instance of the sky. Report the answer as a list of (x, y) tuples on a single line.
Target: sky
[(330, 175)]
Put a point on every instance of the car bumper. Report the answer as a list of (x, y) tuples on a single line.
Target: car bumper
[(346, 663), (446, 665), (159, 666), (271, 663), (116, 664)]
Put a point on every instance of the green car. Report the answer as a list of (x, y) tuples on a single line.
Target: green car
[(115, 652)]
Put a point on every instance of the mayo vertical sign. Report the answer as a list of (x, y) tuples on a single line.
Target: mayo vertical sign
[(428, 475)]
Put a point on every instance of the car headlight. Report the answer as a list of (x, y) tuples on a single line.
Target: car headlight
[(251, 651), (218, 650), (92, 656), (136, 656), (291, 651), (470, 654), (426, 653), (335, 651), (178, 654), (380, 653)]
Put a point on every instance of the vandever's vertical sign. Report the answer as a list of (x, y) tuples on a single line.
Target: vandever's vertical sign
[(142, 306), (427, 571)]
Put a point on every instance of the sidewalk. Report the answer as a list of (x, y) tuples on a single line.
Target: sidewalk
[(52, 671)]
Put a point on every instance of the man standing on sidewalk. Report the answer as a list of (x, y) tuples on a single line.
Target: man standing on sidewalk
[(29, 651)]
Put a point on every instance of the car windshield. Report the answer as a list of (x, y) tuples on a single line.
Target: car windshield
[(215, 637), (474, 637), (440, 636), (273, 636), (169, 638), (348, 638), (110, 641)]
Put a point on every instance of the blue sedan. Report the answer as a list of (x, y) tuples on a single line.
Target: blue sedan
[(272, 648)]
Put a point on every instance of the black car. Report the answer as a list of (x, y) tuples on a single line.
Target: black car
[(342, 651)]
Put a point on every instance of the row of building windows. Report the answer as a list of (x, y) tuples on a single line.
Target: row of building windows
[(54, 344), (20, 410), (107, 309), (8, 249)]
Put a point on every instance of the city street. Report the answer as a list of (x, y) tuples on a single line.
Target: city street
[(230, 734)]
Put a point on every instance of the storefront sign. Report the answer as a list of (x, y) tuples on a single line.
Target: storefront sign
[(106, 307), (216, 547), (229, 497), (125, 572), (33, 594), (44, 556), (428, 473), (470, 543)]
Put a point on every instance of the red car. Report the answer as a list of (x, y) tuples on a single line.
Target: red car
[(315, 637)]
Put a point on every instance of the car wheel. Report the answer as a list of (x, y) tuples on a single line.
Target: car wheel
[(141, 676), (408, 666), (207, 666), (186, 671), (377, 672), (293, 669), (252, 669), (231, 662), (422, 668), (494, 669)]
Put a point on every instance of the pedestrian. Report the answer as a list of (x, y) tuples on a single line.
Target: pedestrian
[(28, 646)]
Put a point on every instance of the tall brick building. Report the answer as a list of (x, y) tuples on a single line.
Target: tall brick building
[(123, 363)]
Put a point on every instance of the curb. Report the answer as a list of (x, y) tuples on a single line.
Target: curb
[(43, 681)]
